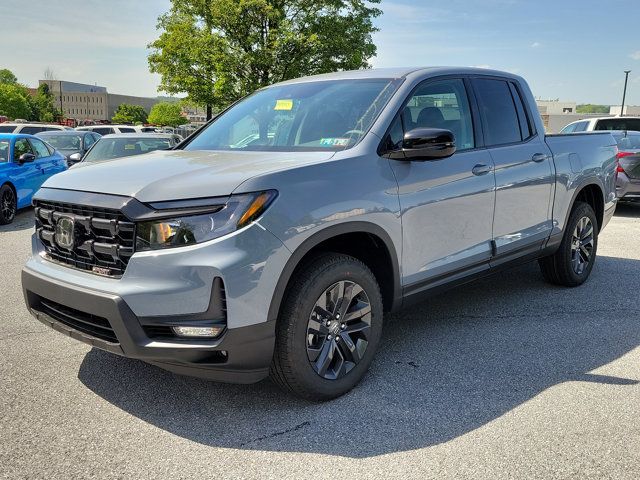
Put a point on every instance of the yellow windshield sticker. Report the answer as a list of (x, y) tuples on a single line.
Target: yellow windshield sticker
[(284, 104), (129, 146)]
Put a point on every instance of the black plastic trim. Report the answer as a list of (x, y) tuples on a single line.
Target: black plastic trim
[(326, 234)]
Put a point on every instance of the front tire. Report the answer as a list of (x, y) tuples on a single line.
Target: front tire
[(329, 328), (8, 205), (572, 263)]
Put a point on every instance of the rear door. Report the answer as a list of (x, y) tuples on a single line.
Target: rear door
[(524, 171), (447, 205)]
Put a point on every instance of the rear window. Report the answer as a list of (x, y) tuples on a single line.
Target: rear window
[(31, 130), (618, 124), (628, 142), (7, 128)]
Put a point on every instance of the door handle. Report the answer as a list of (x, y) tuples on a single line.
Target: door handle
[(481, 169), (539, 157)]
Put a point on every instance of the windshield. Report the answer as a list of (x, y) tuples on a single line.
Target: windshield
[(628, 142), (64, 142), (322, 115), (109, 148), (4, 151)]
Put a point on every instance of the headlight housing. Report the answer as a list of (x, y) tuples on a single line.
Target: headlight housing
[(196, 221)]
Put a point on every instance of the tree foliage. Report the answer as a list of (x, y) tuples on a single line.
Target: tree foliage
[(217, 51), (17, 102), (7, 76), (590, 108), (167, 114), (13, 102), (126, 113), (43, 106)]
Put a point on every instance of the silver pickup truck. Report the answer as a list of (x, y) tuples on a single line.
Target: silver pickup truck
[(274, 240)]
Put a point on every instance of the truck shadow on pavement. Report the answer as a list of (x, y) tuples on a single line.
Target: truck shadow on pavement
[(445, 368)]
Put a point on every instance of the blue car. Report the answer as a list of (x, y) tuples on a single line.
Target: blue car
[(25, 163)]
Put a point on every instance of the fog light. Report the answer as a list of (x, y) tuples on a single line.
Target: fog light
[(208, 332)]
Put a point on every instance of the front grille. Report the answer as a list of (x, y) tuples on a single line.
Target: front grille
[(87, 323), (103, 238)]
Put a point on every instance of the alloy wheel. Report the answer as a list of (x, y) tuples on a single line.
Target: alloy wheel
[(8, 204), (582, 245), (338, 330)]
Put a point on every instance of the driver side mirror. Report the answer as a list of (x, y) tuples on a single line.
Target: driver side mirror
[(26, 158), (425, 144)]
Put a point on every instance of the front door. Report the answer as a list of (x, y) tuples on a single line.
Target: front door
[(447, 205)]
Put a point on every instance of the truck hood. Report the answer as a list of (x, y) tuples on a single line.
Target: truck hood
[(178, 174)]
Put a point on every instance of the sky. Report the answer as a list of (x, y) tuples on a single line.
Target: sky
[(573, 50)]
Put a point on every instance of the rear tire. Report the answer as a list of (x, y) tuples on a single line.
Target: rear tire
[(571, 264), (8, 205), (329, 328)]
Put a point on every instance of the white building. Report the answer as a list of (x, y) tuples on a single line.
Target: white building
[(555, 107), (631, 110)]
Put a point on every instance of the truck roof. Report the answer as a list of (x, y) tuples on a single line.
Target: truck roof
[(398, 72)]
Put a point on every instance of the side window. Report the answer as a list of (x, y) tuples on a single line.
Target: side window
[(441, 104), (103, 131), (127, 130), (88, 140), (39, 148), (21, 147), (581, 127), (569, 128), (498, 112)]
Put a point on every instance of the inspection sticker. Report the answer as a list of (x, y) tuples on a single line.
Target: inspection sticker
[(284, 104), (334, 142)]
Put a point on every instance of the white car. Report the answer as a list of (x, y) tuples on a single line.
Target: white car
[(603, 123), (110, 129), (30, 128)]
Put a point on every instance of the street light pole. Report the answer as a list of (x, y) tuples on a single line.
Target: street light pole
[(624, 93)]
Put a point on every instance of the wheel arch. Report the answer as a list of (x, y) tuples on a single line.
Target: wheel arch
[(332, 239), (591, 193), (12, 187)]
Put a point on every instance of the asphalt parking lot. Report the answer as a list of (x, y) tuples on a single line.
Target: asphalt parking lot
[(503, 378)]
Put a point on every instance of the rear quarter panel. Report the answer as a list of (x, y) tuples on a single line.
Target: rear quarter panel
[(581, 159)]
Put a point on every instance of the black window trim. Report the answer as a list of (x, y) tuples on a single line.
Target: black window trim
[(478, 135)]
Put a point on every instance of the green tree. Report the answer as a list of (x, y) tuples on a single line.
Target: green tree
[(130, 114), (590, 108), (13, 101), (43, 105), (7, 76), (217, 51), (167, 114)]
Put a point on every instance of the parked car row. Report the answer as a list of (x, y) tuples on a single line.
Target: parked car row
[(603, 123)]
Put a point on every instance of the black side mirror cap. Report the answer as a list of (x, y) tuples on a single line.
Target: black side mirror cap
[(26, 158), (422, 144)]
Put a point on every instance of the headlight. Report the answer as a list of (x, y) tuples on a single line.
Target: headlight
[(211, 221)]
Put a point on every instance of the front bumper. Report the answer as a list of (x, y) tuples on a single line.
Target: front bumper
[(239, 355)]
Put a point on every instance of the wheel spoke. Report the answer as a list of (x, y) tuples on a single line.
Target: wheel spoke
[(357, 313), (348, 348), (325, 358)]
